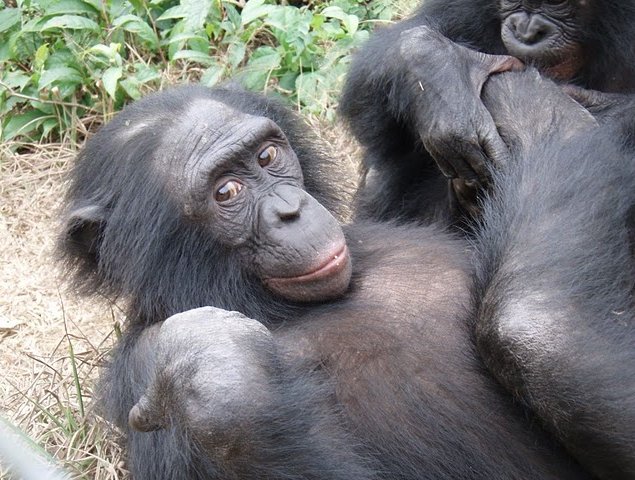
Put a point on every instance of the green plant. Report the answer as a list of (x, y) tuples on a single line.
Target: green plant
[(67, 63)]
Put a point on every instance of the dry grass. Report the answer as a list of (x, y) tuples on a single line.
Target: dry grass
[(51, 343)]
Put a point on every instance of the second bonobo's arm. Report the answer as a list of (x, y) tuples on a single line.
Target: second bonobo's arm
[(219, 404), (556, 322), (411, 85)]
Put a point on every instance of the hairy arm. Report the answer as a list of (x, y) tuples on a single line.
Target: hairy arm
[(556, 322), (204, 395), (415, 87)]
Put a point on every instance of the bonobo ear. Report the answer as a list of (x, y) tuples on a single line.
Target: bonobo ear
[(83, 228)]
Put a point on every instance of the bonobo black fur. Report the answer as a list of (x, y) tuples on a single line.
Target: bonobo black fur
[(381, 378), (412, 96), (558, 329)]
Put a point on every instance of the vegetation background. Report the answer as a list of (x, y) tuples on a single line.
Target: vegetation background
[(66, 66)]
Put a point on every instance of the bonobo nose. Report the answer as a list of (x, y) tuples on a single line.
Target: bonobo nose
[(286, 203), (530, 29)]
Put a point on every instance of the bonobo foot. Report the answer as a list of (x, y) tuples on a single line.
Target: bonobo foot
[(212, 375)]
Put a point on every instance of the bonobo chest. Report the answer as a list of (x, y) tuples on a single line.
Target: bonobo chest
[(409, 300)]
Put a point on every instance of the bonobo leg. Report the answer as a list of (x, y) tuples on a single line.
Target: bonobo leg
[(556, 323), (218, 403)]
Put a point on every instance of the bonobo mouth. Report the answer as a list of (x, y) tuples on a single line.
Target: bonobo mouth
[(328, 280)]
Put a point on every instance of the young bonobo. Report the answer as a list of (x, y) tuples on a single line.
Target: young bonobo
[(412, 96), (330, 352)]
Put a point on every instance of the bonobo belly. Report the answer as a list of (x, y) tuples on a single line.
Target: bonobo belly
[(404, 370)]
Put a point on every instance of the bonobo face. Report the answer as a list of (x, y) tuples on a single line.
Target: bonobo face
[(546, 33), (237, 175)]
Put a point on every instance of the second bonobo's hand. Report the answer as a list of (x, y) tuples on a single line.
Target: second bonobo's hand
[(549, 114), (605, 107), (445, 81), (212, 374)]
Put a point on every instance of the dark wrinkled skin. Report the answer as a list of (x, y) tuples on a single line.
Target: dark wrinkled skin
[(412, 96)]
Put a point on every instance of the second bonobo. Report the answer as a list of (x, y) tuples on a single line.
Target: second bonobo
[(412, 96)]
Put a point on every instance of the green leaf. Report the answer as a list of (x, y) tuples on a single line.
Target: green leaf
[(110, 78), (145, 73), (106, 55), (34, 25), (260, 67), (181, 38), (171, 13), (131, 87), (71, 22), (134, 24), (23, 124), (233, 16), (334, 12), (15, 79), (194, 56), (350, 22), (7, 47), (254, 9), (60, 7), (41, 55), (196, 13), (59, 75), (212, 75), (47, 126), (9, 17), (236, 53)]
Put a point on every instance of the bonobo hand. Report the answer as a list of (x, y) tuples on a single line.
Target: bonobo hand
[(212, 375), (554, 115), (446, 81), (604, 106)]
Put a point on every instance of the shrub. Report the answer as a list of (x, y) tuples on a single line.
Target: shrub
[(65, 64)]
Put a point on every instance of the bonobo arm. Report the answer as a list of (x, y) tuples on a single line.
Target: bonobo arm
[(213, 401), (556, 322), (412, 89)]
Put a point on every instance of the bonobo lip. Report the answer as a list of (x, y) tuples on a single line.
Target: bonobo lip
[(329, 280), (334, 263)]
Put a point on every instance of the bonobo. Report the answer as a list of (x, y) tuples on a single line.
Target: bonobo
[(412, 95), (295, 347)]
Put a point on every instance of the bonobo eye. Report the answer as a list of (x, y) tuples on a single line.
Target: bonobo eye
[(267, 155), (228, 190)]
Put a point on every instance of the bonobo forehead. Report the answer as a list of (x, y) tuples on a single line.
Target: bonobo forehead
[(206, 135)]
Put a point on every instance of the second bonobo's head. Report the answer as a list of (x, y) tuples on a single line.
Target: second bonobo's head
[(197, 196), (548, 34)]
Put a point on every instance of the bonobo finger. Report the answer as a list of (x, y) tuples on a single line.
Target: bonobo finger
[(441, 159), (468, 163), (592, 100), (504, 63), (492, 64), (496, 151), (585, 97), (459, 159), (143, 416), (465, 195)]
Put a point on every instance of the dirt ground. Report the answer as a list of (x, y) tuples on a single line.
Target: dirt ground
[(51, 342)]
